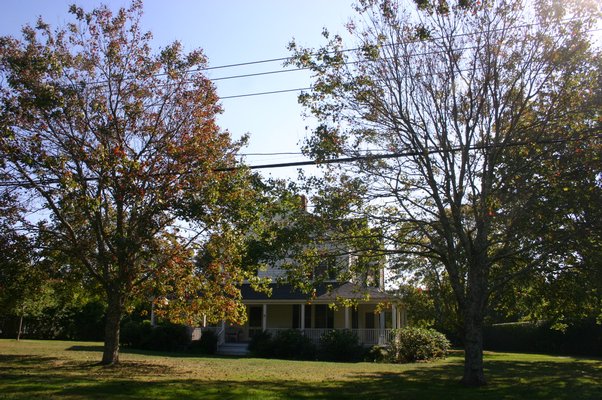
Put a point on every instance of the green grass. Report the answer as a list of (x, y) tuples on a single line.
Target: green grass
[(53, 369)]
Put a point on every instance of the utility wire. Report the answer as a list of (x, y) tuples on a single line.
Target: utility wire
[(343, 160), (411, 153), (288, 59)]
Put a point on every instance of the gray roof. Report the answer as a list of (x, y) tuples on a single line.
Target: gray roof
[(323, 292)]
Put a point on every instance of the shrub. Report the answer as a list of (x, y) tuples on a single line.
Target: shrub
[(377, 353), (417, 344), (581, 337), (134, 334), (261, 345), (294, 345), (207, 344), (288, 344), (340, 345), (168, 337), (141, 335)]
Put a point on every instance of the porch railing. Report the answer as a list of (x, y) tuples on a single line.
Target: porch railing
[(365, 336)]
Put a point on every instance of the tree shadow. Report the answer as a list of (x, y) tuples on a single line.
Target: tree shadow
[(143, 380), (85, 348)]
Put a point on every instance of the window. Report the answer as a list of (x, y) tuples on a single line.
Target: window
[(369, 320), (355, 316), (296, 316), (307, 317), (255, 316), (324, 317)]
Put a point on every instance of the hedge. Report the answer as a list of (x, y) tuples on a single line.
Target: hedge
[(582, 337)]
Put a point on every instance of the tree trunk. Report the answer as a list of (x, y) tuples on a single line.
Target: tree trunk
[(110, 355), (473, 350), (20, 327)]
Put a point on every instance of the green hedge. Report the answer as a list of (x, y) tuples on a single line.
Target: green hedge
[(167, 337), (340, 345), (288, 344), (583, 337), (292, 344)]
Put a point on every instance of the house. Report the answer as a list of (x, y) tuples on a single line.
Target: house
[(360, 305)]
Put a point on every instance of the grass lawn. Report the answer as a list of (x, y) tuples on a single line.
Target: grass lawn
[(53, 369)]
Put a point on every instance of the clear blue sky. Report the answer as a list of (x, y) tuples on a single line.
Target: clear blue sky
[(230, 32)]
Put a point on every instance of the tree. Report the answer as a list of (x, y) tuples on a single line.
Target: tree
[(428, 104), (23, 291), (118, 150), (568, 190)]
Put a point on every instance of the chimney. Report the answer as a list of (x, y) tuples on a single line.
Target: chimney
[(303, 201)]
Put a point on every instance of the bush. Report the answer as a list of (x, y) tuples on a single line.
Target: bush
[(134, 334), (261, 345), (417, 344), (141, 335), (288, 344), (292, 344), (340, 345), (377, 353), (581, 337), (207, 344)]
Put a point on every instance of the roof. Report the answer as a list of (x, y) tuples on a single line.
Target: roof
[(323, 292)]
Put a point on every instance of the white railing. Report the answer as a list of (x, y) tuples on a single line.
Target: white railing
[(365, 336)]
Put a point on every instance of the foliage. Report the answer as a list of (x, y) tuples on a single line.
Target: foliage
[(120, 148), (377, 353), (341, 346), (207, 344), (289, 344), (65, 320), (582, 337), (260, 344), (417, 344), (292, 344), (165, 337), (133, 333), (445, 109)]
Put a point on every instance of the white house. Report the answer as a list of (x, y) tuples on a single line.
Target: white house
[(371, 313)]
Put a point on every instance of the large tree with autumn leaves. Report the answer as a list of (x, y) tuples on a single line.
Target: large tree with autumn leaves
[(117, 151), (447, 108)]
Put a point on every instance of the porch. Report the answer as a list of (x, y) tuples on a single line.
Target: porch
[(371, 324), (368, 337)]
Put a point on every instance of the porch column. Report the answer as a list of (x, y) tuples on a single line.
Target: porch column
[(394, 317), (347, 318), (222, 333), (381, 321), (264, 317), (302, 322)]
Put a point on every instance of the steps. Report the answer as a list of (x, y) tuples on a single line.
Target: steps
[(233, 349)]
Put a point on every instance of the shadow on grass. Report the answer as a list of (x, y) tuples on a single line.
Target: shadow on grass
[(85, 348), (37, 377), (127, 350)]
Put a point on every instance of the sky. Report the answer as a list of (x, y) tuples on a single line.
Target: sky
[(229, 32)]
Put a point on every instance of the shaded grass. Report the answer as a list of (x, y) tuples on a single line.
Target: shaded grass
[(49, 370)]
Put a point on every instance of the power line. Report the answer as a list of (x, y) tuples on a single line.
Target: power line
[(265, 93), (343, 160), (288, 59), (411, 153), (280, 59)]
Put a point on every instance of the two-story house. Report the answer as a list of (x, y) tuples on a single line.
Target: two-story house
[(359, 304)]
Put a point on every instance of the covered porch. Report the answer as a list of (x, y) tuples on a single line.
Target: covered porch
[(371, 314)]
